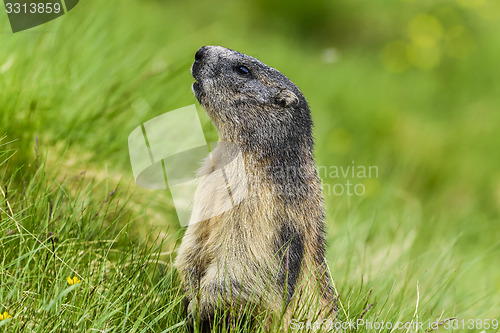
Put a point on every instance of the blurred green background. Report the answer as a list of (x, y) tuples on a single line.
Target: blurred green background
[(410, 87)]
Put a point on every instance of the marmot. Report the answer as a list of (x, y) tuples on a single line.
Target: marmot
[(265, 252)]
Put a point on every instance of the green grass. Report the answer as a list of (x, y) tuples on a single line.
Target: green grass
[(408, 87)]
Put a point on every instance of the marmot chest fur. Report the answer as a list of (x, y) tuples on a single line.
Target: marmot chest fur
[(256, 237)]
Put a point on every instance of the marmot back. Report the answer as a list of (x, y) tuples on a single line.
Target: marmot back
[(265, 251)]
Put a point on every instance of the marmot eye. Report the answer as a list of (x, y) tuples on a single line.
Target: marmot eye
[(242, 70)]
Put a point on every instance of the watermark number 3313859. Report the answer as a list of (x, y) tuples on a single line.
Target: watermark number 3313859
[(32, 8), (26, 14)]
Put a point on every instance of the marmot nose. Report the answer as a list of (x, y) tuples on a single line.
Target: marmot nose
[(200, 53)]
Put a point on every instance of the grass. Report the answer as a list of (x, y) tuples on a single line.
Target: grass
[(407, 87)]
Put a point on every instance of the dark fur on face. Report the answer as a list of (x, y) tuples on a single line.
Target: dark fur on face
[(251, 103)]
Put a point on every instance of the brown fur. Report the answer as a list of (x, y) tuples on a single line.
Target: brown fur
[(266, 249)]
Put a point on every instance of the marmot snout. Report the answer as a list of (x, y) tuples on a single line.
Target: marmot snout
[(267, 250)]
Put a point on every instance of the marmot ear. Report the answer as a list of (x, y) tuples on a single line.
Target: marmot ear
[(287, 98)]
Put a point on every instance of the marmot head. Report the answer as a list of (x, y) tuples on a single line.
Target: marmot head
[(250, 103)]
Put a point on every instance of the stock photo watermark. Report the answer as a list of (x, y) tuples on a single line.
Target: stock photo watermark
[(168, 150), (414, 325), (348, 180), (27, 14)]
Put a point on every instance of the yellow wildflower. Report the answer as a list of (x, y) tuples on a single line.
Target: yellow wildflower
[(73, 280), (5, 315)]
